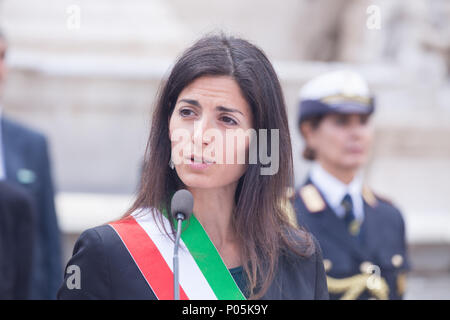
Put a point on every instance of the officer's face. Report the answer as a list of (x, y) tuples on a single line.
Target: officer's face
[(206, 111), (342, 141)]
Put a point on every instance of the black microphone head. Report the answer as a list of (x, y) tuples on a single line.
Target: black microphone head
[(182, 202)]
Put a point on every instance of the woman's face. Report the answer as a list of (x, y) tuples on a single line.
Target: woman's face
[(342, 141), (205, 110)]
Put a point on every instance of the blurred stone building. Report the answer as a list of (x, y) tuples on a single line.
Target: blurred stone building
[(86, 73)]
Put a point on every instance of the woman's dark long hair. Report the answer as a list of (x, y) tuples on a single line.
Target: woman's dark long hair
[(260, 220)]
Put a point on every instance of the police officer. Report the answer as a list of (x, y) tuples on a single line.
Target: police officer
[(361, 234)]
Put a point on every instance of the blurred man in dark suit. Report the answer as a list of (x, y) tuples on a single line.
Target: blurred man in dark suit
[(17, 231), (24, 161)]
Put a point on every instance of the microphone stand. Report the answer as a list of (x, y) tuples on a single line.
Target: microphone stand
[(176, 286)]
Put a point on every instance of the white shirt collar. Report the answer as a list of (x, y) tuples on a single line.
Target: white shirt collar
[(334, 190)]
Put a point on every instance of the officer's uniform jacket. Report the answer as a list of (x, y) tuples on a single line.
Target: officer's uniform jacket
[(370, 264)]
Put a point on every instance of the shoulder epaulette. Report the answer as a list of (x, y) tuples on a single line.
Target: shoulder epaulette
[(312, 198), (383, 198), (369, 196)]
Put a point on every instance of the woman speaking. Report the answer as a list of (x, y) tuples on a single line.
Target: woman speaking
[(239, 242)]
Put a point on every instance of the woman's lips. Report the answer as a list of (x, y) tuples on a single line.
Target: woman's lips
[(200, 165), (355, 150)]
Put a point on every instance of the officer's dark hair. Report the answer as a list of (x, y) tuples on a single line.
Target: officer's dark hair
[(260, 222), (314, 121)]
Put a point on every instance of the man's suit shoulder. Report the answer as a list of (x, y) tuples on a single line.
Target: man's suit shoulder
[(23, 131)]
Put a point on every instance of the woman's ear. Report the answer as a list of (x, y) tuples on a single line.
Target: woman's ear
[(306, 130), (309, 132)]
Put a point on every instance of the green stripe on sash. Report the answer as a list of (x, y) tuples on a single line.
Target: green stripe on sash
[(209, 261)]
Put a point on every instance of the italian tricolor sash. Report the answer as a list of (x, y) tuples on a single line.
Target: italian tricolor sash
[(203, 274)]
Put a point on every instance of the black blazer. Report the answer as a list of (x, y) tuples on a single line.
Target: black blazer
[(16, 241), (108, 272), (27, 165), (382, 241)]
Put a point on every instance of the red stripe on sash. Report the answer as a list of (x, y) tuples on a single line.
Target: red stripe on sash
[(147, 257)]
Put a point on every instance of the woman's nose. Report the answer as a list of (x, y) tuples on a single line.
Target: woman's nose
[(200, 127), (358, 130)]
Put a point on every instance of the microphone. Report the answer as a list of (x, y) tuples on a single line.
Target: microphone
[(181, 208)]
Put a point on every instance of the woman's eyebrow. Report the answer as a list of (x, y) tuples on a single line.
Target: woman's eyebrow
[(218, 108), (226, 109), (190, 101)]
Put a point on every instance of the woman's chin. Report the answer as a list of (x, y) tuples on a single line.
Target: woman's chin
[(214, 176), (197, 180), (353, 163)]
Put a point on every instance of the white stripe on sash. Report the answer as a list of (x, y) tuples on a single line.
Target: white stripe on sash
[(191, 278)]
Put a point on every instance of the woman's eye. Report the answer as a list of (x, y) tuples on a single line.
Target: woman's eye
[(229, 120), (341, 121), (364, 119), (186, 112)]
